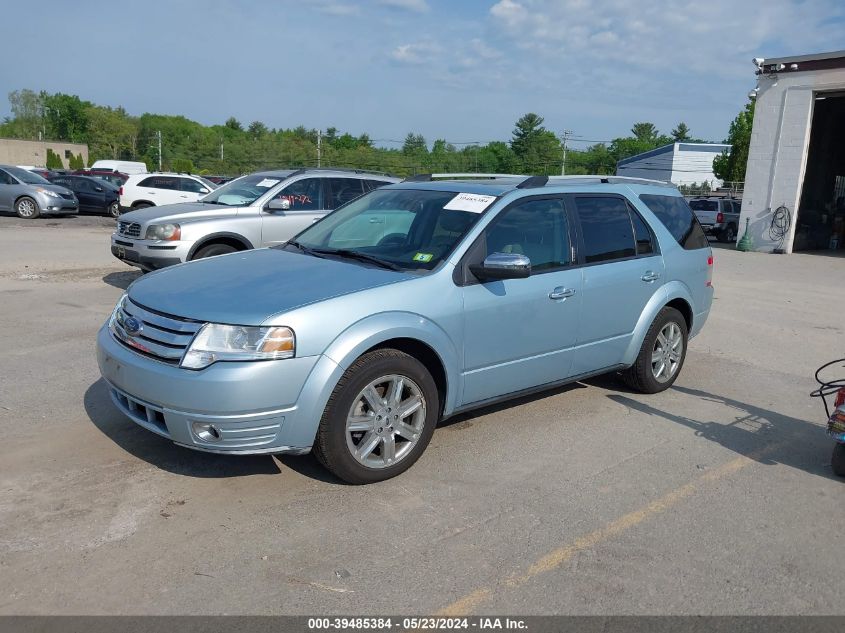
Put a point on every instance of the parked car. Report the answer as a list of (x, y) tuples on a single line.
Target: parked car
[(718, 216), (29, 195), (150, 190), (478, 292), (123, 166), (94, 195), (260, 209), (114, 177), (219, 180)]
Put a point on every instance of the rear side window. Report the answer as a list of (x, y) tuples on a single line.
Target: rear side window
[(678, 218), (160, 182), (189, 184), (606, 228), (645, 243), (369, 185), (343, 190)]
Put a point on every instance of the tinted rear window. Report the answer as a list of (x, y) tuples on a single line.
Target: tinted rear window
[(678, 218), (703, 205), (606, 229)]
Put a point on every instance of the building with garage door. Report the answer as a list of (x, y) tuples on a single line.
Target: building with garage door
[(795, 180), (678, 163)]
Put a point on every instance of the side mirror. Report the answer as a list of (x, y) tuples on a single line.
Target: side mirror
[(502, 266), (278, 204), (98, 188), (203, 190)]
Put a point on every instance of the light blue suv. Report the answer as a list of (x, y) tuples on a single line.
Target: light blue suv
[(408, 305)]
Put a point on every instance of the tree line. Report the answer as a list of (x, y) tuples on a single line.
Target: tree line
[(234, 148)]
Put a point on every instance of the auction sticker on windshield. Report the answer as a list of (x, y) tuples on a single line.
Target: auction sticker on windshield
[(472, 202), (267, 182)]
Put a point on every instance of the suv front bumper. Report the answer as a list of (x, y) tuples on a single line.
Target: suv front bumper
[(252, 407), (149, 254)]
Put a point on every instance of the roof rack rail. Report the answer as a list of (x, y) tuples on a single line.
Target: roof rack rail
[(302, 170), (533, 182), (461, 176), (609, 180)]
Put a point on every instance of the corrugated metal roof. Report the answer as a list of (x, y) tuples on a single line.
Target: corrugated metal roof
[(682, 147)]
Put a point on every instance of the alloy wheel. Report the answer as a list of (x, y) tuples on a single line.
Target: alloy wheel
[(667, 352), (385, 421)]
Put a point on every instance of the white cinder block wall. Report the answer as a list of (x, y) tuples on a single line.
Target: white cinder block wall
[(777, 156)]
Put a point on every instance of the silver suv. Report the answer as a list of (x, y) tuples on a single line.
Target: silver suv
[(261, 209)]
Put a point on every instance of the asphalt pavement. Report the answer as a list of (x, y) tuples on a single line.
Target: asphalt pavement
[(715, 497)]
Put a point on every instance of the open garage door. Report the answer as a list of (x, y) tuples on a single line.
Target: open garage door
[(821, 214)]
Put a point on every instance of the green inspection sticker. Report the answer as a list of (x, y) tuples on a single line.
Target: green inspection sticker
[(423, 257)]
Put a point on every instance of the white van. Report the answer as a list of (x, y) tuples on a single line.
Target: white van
[(124, 166)]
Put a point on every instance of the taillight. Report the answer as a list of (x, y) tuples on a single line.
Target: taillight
[(710, 261), (840, 398), (120, 191), (720, 218)]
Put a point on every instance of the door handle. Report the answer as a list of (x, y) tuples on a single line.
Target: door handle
[(561, 293), (650, 276)]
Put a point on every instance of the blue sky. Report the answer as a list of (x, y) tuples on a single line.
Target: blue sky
[(463, 70)]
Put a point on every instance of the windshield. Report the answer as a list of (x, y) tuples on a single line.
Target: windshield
[(243, 191), (704, 205), (27, 176), (403, 228)]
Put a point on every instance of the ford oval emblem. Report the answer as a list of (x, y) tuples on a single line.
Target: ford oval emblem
[(133, 326)]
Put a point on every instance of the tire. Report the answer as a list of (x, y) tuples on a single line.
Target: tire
[(113, 210), (27, 208), (344, 451), (838, 460), (728, 235), (641, 375), (213, 250)]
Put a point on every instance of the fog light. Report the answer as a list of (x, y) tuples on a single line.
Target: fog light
[(206, 432)]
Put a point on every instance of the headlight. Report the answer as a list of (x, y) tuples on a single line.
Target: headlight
[(113, 317), (163, 232), (48, 192), (235, 342)]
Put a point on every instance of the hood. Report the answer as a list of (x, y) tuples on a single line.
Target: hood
[(248, 287), (56, 188), (181, 212)]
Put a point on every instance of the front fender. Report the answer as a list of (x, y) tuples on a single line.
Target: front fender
[(374, 330)]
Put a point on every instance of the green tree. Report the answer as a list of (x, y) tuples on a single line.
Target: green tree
[(54, 161), (645, 132), (681, 132), (183, 165), (529, 128), (28, 114), (257, 129), (111, 132), (730, 165), (414, 145), (66, 116), (233, 124)]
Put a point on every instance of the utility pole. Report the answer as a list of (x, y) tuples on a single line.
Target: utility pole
[(221, 150), (566, 135), (159, 150), (319, 139)]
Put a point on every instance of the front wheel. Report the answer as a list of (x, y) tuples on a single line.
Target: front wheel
[(212, 250), (838, 460), (27, 208), (661, 355), (113, 210), (379, 418)]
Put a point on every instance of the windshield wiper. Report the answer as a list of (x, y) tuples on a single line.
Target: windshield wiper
[(299, 246), (364, 257)]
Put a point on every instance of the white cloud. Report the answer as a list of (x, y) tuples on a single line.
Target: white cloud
[(418, 53), (338, 8), (710, 38), (417, 6)]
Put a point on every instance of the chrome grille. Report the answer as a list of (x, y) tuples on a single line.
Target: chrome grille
[(129, 229), (162, 336)]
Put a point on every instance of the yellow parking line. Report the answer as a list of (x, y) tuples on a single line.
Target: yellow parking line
[(557, 557)]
